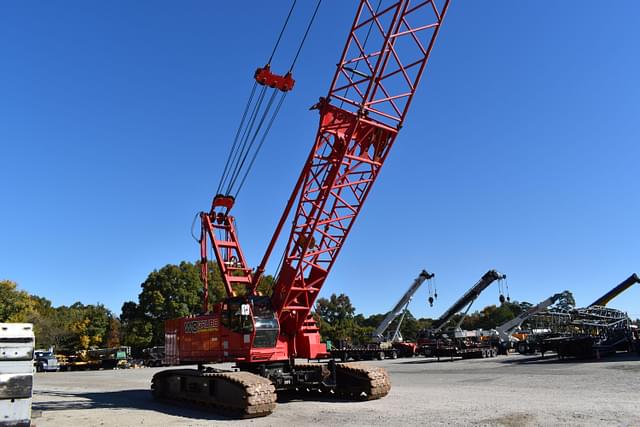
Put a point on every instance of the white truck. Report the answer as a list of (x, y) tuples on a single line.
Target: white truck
[(17, 343)]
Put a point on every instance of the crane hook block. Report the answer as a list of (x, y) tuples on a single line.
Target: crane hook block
[(265, 77)]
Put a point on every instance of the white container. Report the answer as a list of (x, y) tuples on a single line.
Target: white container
[(15, 412), (17, 343)]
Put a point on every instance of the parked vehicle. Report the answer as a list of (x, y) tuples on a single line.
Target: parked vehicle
[(45, 361)]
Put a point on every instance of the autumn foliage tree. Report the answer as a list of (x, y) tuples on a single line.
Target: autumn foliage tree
[(70, 328)]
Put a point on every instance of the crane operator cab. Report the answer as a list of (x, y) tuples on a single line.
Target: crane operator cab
[(253, 317)]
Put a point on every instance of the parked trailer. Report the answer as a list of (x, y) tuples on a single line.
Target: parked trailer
[(95, 359), (464, 344), (364, 353), (451, 351), (598, 331)]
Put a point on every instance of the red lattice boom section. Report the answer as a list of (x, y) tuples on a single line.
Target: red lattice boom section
[(385, 56), (374, 87)]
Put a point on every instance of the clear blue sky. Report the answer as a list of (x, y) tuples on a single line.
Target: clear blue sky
[(521, 151)]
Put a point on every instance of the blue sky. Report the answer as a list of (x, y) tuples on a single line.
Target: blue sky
[(520, 152)]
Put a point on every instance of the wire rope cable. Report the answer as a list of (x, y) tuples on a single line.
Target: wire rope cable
[(286, 21), (258, 111), (253, 140), (244, 139), (235, 140), (306, 33), (262, 140)]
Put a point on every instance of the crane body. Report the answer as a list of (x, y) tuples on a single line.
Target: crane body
[(435, 342), (376, 78)]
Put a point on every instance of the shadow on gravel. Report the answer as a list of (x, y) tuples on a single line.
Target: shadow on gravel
[(125, 399), (424, 360), (553, 359), (286, 397)]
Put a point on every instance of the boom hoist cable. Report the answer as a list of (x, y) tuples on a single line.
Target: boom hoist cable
[(259, 114)]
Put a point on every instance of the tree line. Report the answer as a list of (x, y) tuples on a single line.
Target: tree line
[(74, 327), (176, 290)]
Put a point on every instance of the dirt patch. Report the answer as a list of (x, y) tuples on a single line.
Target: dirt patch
[(511, 420)]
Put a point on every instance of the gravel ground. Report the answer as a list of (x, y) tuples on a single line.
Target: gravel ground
[(506, 391)]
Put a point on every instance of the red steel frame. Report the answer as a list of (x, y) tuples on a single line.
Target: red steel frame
[(381, 65)]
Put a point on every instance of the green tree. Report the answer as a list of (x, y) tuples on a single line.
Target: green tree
[(74, 327), (87, 326), (566, 302), (335, 309), (337, 320), (14, 304)]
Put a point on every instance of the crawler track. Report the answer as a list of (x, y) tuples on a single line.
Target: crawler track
[(247, 395), (240, 394), (362, 382)]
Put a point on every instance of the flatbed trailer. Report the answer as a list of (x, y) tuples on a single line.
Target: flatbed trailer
[(364, 353), (459, 348)]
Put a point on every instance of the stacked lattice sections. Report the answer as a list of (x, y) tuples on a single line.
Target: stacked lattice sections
[(549, 321), (385, 55), (345, 161), (597, 319)]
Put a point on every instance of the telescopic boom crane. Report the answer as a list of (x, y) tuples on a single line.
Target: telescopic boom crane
[(507, 328), (401, 307), (467, 299), (434, 342), (626, 284)]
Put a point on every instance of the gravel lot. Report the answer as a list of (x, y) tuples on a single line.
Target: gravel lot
[(506, 391)]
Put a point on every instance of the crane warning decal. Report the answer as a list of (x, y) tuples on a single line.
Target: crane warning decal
[(197, 326)]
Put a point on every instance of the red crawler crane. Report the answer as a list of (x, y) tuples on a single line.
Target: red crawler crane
[(385, 55)]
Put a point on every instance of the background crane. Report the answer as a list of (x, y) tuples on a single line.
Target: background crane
[(433, 341)]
